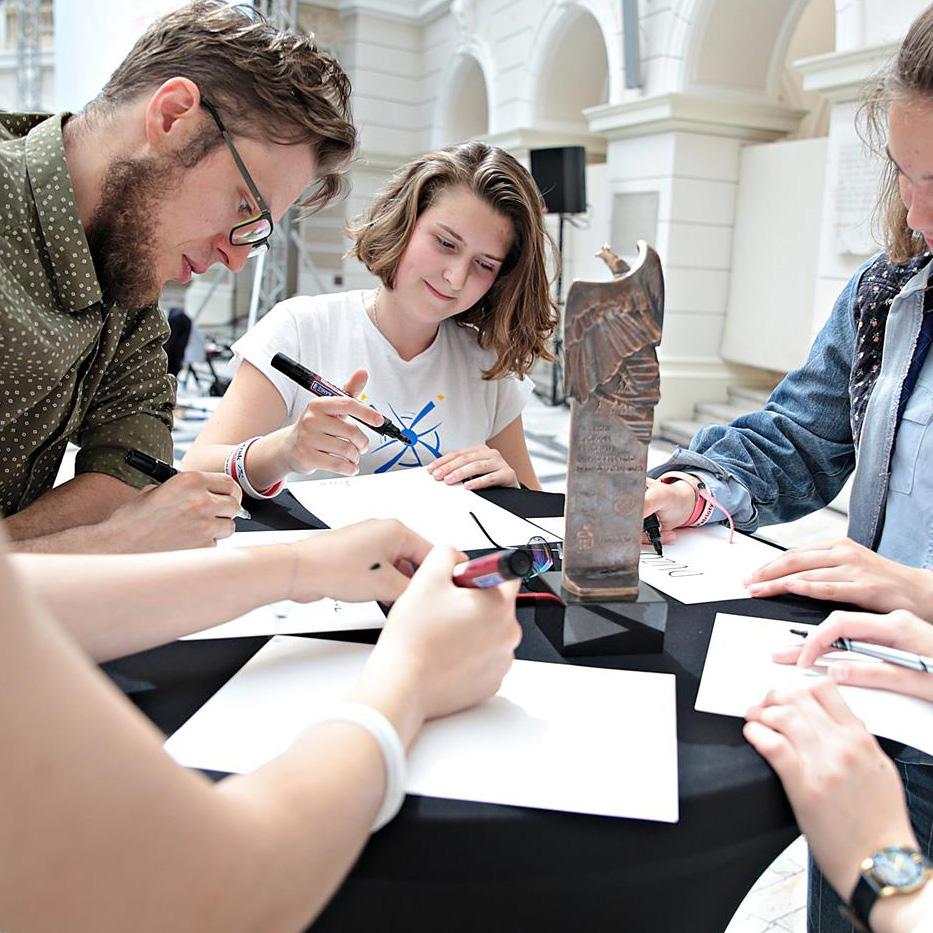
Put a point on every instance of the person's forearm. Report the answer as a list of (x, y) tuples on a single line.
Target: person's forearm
[(83, 501), (919, 600), (313, 808), (115, 605), (209, 458), (85, 539), (265, 462), (87, 782)]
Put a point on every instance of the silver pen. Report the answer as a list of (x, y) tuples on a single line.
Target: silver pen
[(916, 662)]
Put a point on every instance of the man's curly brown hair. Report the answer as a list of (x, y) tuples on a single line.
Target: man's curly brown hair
[(269, 85), (517, 316)]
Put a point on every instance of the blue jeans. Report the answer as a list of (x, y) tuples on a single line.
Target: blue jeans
[(916, 771)]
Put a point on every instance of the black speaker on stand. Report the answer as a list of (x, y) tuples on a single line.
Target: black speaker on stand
[(560, 173)]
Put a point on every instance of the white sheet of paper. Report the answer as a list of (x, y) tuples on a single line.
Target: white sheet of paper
[(287, 617), (290, 618), (436, 511), (556, 736), (739, 672), (261, 538), (701, 566), (554, 524)]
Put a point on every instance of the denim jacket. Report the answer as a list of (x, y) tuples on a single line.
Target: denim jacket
[(794, 455)]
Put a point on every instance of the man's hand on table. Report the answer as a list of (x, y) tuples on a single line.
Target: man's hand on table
[(191, 510), (843, 571)]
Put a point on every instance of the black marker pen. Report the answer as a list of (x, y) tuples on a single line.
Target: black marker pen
[(319, 386), (159, 470)]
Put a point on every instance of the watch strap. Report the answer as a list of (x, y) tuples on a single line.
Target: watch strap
[(869, 888), (863, 899)]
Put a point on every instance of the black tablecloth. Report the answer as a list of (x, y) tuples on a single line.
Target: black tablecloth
[(446, 865)]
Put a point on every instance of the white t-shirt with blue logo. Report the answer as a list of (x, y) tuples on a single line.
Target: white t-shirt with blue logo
[(439, 397)]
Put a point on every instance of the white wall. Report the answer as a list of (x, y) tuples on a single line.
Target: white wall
[(91, 38), (775, 253)]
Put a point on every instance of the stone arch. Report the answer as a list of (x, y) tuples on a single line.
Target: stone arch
[(463, 108), (719, 44), (587, 36)]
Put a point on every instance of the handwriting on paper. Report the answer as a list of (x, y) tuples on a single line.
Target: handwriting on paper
[(668, 565), (702, 566)]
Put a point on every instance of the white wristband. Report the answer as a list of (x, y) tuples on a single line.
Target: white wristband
[(390, 745), (235, 466)]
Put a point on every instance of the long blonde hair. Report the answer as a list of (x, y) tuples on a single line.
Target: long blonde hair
[(908, 78)]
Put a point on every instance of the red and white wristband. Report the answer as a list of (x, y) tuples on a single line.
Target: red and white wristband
[(706, 503), (235, 467)]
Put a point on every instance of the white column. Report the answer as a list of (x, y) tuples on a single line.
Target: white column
[(684, 150)]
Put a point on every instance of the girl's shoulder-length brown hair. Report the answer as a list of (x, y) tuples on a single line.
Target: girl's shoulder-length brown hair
[(518, 315), (907, 80)]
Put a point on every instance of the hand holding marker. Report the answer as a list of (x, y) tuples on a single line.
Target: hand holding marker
[(493, 569), (159, 470), (319, 386)]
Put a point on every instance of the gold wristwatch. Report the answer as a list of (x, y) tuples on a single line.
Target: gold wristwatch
[(886, 873)]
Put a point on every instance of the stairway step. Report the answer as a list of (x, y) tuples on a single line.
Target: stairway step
[(679, 432), (748, 396), (721, 412)]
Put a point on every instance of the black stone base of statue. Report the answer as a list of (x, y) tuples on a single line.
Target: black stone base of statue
[(578, 628)]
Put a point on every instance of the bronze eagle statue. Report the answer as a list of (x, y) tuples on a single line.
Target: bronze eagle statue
[(611, 332)]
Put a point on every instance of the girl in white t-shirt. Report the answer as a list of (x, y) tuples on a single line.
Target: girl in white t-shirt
[(442, 347)]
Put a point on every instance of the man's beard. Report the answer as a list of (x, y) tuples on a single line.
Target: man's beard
[(122, 233)]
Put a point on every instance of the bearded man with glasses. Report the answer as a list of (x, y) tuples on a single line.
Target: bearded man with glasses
[(156, 179)]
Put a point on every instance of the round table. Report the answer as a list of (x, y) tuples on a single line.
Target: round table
[(448, 865)]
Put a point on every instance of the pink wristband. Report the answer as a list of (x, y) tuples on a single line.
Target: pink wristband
[(705, 505)]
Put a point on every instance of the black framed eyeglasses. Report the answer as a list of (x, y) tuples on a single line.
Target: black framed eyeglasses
[(254, 231), (542, 557)]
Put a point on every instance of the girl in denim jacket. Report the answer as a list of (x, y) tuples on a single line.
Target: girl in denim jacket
[(862, 403)]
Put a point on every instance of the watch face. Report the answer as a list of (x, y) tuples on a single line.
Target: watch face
[(896, 867)]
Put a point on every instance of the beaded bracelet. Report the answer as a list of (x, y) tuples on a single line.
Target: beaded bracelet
[(393, 754), (235, 467)]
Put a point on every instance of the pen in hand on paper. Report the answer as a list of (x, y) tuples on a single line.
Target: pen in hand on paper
[(916, 662), (159, 470), (319, 386), (653, 530)]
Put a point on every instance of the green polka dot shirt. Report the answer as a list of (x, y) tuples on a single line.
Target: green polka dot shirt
[(71, 368)]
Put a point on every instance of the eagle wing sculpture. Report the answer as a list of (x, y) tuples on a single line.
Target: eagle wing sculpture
[(611, 330)]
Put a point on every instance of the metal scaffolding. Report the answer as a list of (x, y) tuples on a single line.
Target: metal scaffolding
[(28, 55), (271, 278)]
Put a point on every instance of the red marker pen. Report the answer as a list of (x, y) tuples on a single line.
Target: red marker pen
[(493, 569)]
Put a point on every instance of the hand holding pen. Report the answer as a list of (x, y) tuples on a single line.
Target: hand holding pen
[(160, 471), (901, 639), (318, 385)]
